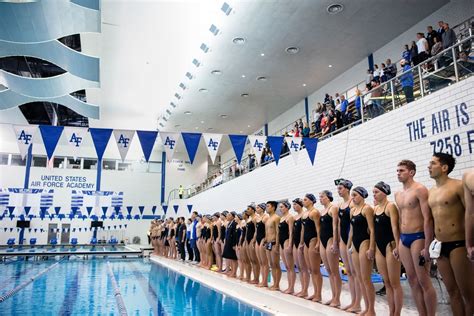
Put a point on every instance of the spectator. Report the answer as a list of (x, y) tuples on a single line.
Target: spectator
[(331, 102), (376, 72), (339, 116), (369, 77), (297, 132), (431, 35), (448, 37), (414, 53), (368, 103), (440, 29), (376, 99), (344, 110), (305, 130), (180, 191), (236, 168), (407, 54), (292, 132), (391, 69), (337, 98), (332, 118), (383, 76), (251, 162), (437, 46), (326, 98), (325, 124), (422, 47), (300, 123), (406, 81), (357, 103)]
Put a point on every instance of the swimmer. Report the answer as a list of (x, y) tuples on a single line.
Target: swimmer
[(298, 248), (271, 244), (329, 245), (416, 234), (285, 239), (446, 200), (250, 247), (344, 191), (387, 236), (362, 246), (468, 185), (260, 219), (310, 220)]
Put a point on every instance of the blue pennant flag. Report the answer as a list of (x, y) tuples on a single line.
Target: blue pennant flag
[(80, 228), (141, 209), (74, 211), (22, 217), (5, 229), (36, 229), (147, 140), (11, 229), (137, 217), (100, 137), (311, 145), (176, 207), (125, 225), (117, 209), (57, 209), (165, 208), (51, 135), (238, 144), (29, 230), (120, 217), (191, 141), (84, 217), (71, 216), (31, 216), (10, 210), (89, 210), (112, 216), (104, 209), (73, 230), (129, 209), (153, 209), (190, 208), (276, 144), (27, 210)]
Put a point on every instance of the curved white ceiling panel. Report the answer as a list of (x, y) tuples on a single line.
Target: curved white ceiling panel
[(45, 20), (78, 64), (91, 4), (44, 88), (10, 99)]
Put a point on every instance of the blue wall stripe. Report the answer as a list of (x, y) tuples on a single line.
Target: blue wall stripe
[(163, 177), (306, 109), (370, 60)]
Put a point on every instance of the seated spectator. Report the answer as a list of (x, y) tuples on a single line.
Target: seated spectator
[(430, 36), (407, 54), (292, 132), (406, 81), (414, 53), (422, 47), (448, 37), (466, 62), (305, 132), (391, 71)]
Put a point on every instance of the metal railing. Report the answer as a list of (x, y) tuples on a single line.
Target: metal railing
[(433, 74)]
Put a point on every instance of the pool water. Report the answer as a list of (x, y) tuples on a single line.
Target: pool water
[(83, 287)]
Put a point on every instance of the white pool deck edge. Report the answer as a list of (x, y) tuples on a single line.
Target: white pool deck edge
[(275, 303)]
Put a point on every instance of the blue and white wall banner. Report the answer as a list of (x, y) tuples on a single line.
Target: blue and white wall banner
[(238, 144), (176, 208), (311, 145), (190, 208), (276, 144), (170, 140), (100, 137), (123, 139), (147, 140), (165, 208), (50, 135), (191, 142), (257, 143), (75, 137), (294, 144), (24, 135), (213, 141)]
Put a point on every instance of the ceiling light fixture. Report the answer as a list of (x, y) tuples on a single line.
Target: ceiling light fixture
[(241, 132), (244, 95), (177, 96), (239, 41), (261, 78), (292, 50), (224, 116), (189, 75), (335, 8), (204, 48), (203, 90), (202, 122), (304, 84), (182, 86), (214, 30), (173, 104), (243, 76), (248, 125), (196, 127), (330, 66), (196, 62), (188, 113), (262, 54), (226, 8), (216, 72)]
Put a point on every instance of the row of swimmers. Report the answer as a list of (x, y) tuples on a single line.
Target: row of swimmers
[(250, 245)]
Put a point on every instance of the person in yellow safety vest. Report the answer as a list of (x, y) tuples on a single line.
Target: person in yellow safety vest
[(181, 191)]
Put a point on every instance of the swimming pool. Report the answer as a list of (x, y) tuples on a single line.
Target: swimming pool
[(83, 287)]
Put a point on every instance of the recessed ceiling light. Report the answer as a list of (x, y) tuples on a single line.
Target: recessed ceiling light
[(177, 96), (216, 72), (196, 127), (262, 54), (244, 95), (203, 90), (173, 104), (292, 50), (304, 84), (262, 78), (248, 125), (188, 113), (241, 132), (204, 48), (202, 122), (243, 76), (335, 8), (214, 30), (330, 66), (239, 41), (224, 116)]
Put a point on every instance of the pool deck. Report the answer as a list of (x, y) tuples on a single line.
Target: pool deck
[(278, 303)]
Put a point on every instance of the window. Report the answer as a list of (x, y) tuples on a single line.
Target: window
[(90, 163), (125, 166), (17, 161), (108, 165), (39, 161), (58, 162), (3, 159), (154, 167), (73, 163)]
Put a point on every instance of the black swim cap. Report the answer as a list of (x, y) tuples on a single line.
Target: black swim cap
[(384, 187), (361, 191)]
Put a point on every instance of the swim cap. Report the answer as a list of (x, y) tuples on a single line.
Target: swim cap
[(263, 206), (385, 188), (361, 191), (311, 197), (234, 214), (252, 207), (287, 204), (298, 201), (346, 184), (329, 195)]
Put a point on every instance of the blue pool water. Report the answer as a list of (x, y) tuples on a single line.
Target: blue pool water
[(83, 287)]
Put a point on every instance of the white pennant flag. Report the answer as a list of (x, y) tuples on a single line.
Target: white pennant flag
[(257, 143), (75, 139), (170, 141), (294, 144), (24, 137), (123, 139), (213, 141)]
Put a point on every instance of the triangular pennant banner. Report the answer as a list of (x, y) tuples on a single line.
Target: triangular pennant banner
[(100, 137), (257, 143), (170, 140), (104, 209), (123, 139), (238, 144), (213, 141), (57, 209), (294, 144), (153, 209), (129, 209), (89, 210), (165, 208), (51, 135), (75, 139), (311, 145), (191, 142), (27, 210), (147, 140), (141, 209), (176, 207), (190, 208), (24, 135), (11, 209), (276, 144)]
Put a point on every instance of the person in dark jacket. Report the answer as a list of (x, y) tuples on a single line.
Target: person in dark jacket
[(230, 244)]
